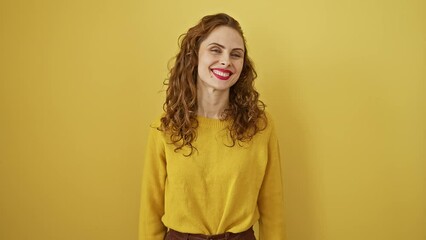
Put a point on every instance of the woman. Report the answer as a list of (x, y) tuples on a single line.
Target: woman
[(212, 166)]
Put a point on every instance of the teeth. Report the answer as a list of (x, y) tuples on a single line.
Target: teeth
[(220, 73)]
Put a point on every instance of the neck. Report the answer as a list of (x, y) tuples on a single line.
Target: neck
[(212, 103)]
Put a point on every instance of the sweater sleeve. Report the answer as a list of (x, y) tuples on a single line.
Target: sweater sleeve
[(152, 193), (271, 201)]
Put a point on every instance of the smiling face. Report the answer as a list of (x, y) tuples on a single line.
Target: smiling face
[(220, 59)]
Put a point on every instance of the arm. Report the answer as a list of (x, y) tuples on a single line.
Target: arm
[(152, 195), (271, 202)]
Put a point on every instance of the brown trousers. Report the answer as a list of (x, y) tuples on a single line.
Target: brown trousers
[(246, 235)]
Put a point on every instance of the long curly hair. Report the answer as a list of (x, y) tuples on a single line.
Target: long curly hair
[(245, 112)]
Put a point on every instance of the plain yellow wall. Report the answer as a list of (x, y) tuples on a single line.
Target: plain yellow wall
[(81, 80)]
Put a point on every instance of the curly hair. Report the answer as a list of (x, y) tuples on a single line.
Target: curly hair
[(245, 111)]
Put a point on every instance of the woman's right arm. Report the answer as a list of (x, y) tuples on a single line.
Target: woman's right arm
[(152, 195)]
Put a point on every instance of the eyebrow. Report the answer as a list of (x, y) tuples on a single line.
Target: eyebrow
[(221, 46)]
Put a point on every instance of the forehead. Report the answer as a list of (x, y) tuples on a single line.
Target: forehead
[(225, 36)]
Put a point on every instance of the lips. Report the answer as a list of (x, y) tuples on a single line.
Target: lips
[(221, 74)]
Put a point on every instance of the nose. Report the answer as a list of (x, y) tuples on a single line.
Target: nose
[(224, 60)]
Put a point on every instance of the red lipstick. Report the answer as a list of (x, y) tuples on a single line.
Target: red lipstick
[(222, 74)]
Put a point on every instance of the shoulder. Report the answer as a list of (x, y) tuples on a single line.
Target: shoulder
[(154, 128), (156, 122), (265, 127), (269, 117), (268, 121)]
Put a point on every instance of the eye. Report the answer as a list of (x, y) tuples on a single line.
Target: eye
[(216, 50), (236, 55)]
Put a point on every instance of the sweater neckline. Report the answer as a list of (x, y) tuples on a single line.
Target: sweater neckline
[(211, 122)]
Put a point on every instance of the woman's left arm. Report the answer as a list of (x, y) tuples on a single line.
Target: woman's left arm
[(271, 200)]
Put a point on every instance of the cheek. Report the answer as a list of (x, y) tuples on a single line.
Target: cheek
[(240, 66), (204, 61), (203, 68)]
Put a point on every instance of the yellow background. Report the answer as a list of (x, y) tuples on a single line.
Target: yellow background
[(81, 80)]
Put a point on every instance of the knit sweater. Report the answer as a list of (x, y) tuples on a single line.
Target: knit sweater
[(217, 189)]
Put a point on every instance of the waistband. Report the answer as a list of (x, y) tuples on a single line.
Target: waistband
[(246, 235)]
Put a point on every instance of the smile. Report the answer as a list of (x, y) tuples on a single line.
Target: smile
[(221, 74)]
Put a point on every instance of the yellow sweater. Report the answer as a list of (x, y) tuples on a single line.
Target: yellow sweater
[(217, 189)]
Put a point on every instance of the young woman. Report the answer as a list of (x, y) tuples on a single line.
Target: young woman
[(212, 166)]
